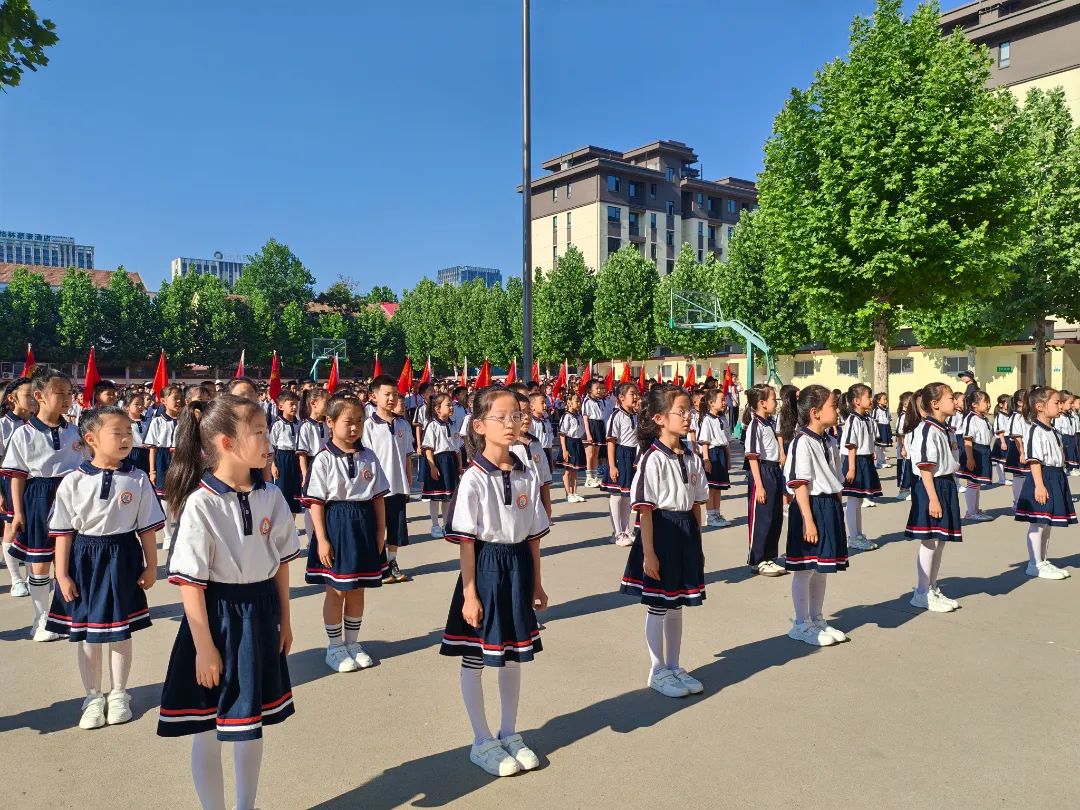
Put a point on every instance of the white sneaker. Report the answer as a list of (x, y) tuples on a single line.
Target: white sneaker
[(625, 539), (868, 503), (118, 708), (339, 659), (592, 482), (1074, 473), (695, 686), (93, 711), (809, 633), (665, 682), (19, 588), (952, 603), (905, 495), (721, 521), (1044, 570), (579, 498), (40, 633), (929, 601), (860, 543), (1065, 571), (839, 636), (525, 756), (438, 531), (770, 569), (362, 659), (963, 487), (493, 758)]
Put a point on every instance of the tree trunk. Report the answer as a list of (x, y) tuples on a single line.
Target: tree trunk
[(881, 355), (1040, 350)]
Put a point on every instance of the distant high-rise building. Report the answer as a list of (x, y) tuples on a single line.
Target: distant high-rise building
[(464, 273), (226, 268), (44, 250)]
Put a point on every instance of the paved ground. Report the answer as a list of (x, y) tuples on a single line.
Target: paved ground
[(970, 709)]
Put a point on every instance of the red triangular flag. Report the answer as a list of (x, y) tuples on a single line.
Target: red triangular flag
[(240, 365), (691, 375), (426, 376), (483, 377), (332, 380), (709, 373), (92, 379), (511, 375), (404, 383), (560, 381), (28, 366), (161, 377), (378, 367), (583, 383), (465, 373), (609, 378), (660, 373), (274, 391), (727, 380), (641, 379), (626, 376), (536, 371)]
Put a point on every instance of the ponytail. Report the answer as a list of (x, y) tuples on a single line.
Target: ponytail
[(1034, 395), (912, 416), (657, 402), (847, 402), (789, 414), (754, 396), (9, 390)]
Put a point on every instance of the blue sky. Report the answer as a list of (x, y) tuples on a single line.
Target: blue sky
[(379, 140)]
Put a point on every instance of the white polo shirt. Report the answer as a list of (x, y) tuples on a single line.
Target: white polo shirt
[(285, 435), (859, 432), (137, 431), (313, 437), (808, 464), (496, 506), (459, 415), (881, 415), (1017, 425), (9, 423), (1065, 424), (162, 432), (439, 437), (533, 455), (668, 480), (935, 449), (572, 426), (541, 428), (761, 440), (977, 428), (1043, 444), (420, 415), (712, 431), (622, 428), (36, 450), (392, 443), (232, 537), (593, 408), (102, 502), (339, 476)]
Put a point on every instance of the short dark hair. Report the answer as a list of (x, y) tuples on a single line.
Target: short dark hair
[(381, 380)]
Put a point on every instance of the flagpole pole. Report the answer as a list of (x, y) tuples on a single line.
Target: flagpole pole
[(526, 196)]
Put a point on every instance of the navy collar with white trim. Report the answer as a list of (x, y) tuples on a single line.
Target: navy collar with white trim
[(807, 431), (219, 487), (39, 425), (936, 423), (484, 464), (659, 445), (88, 468), (1042, 424)]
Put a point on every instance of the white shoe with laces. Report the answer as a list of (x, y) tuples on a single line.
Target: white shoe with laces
[(40, 633), (952, 603), (1065, 571), (362, 659), (665, 682), (810, 633), (860, 543), (118, 708), (929, 601), (525, 756), (839, 636), (624, 539), (693, 685), (19, 588), (339, 659), (438, 531), (93, 711), (493, 758), (721, 521), (868, 503), (1044, 570)]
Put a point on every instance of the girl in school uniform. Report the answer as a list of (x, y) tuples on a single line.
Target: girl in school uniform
[(1000, 447), (105, 522), (1065, 425), (861, 482), (714, 443), (1074, 404), (903, 458), (592, 411), (227, 675), (622, 450), (765, 493), (541, 426), (420, 418), (1045, 500), (816, 544), (345, 493), (666, 565), (135, 407), (530, 450), (442, 466), (571, 437), (284, 438), (1014, 454), (974, 461), (161, 436), (459, 415), (934, 518), (496, 519), (883, 435), (956, 427), (17, 405), (312, 438), (38, 456)]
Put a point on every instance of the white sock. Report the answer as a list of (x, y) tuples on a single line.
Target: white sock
[(1034, 542), (391, 554), (999, 468), (90, 666), (672, 637), (433, 510), (624, 513), (472, 690), (206, 770), (615, 507), (333, 633), (800, 592), (971, 497), (509, 695), (924, 564), (1044, 542), (817, 596), (654, 636), (120, 664), (935, 563), (352, 628), (858, 516), (309, 525), (1017, 485), (879, 455), (247, 762), (852, 513), (40, 593), (12, 564)]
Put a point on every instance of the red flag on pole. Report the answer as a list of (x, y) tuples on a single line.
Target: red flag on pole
[(536, 371), (426, 376), (375, 372), (691, 375), (727, 380), (28, 366), (465, 373), (332, 380), (92, 379), (709, 373), (161, 377), (583, 383), (660, 373), (560, 381), (641, 379), (404, 383), (240, 365), (626, 376), (274, 390), (609, 378), (511, 375), (483, 377)]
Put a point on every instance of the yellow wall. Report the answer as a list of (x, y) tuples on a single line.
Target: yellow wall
[(585, 233), (1069, 80)]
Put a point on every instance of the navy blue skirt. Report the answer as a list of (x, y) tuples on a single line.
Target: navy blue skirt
[(866, 483), (33, 544), (443, 489), (830, 552), (140, 457), (884, 435), (626, 464), (504, 585), (350, 530), (575, 454), (1058, 509), (997, 452), (1012, 459), (903, 473), (289, 480), (254, 691), (1072, 451), (397, 522), (981, 473), (718, 476), (677, 542), (162, 460), (920, 525), (5, 493), (110, 605), (596, 430)]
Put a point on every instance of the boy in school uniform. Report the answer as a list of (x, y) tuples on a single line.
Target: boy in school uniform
[(390, 438)]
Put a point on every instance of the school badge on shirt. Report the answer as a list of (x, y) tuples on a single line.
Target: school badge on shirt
[(522, 501), (264, 527), (126, 497)]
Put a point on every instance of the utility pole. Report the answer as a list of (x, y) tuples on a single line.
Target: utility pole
[(526, 201)]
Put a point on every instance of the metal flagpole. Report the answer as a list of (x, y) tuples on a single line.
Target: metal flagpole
[(526, 200)]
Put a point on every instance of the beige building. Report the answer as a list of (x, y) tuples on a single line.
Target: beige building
[(653, 197)]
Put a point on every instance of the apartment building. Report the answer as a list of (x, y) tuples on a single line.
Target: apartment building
[(464, 273), (226, 267), (44, 250)]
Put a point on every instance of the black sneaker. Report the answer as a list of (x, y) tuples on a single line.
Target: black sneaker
[(396, 574)]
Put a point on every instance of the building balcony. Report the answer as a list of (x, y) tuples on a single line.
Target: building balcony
[(637, 236)]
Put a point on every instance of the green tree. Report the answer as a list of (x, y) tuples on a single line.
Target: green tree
[(28, 314), (687, 275), (381, 295), (333, 325), (199, 323), (23, 40), (81, 322), (623, 307), (273, 278), (468, 304), (131, 327), (495, 336), (563, 317), (512, 297), (295, 350), (893, 176), (339, 295), (370, 332)]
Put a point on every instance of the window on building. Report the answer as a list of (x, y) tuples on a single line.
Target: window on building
[(671, 238), (554, 230), (652, 191), (670, 175), (901, 365), (634, 220), (554, 255), (701, 229), (955, 365), (613, 244), (730, 232), (1004, 54), (652, 221), (848, 368), (569, 190), (670, 208), (700, 256), (712, 234), (612, 182), (614, 213), (804, 368), (667, 370), (554, 193), (700, 201), (732, 207), (568, 236), (652, 251), (635, 188), (670, 266)]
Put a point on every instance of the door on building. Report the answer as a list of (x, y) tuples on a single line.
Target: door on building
[(1026, 364)]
